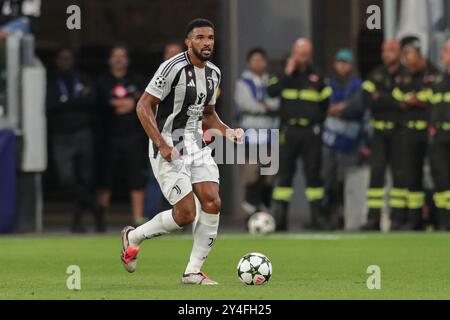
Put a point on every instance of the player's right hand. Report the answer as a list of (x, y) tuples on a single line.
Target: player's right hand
[(290, 67), (169, 153)]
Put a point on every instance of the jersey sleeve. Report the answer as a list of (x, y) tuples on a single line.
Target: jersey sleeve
[(161, 83), (216, 93)]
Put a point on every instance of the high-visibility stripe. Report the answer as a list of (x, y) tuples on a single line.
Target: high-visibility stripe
[(282, 193), (436, 98), (398, 193), (415, 205), (416, 200), (292, 121), (369, 86), (282, 137), (417, 125), (440, 200), (375, 204), (397, 203), (443, 126), (326, 93), (300, 121), (309, 95), (303, 121), (306, 94), (315, 193), (382, 125), (375, 192), (398, 94), (272, 81), (289, 94), (425, 95), (439, 97), (447, 97)]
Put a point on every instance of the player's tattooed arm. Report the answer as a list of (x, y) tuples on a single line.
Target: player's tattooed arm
[(144, 110), (212, 121)]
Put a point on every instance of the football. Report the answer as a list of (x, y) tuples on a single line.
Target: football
[(261, 223), (254, 269)]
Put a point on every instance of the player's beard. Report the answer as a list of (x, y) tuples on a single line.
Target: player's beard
[(200, 56)]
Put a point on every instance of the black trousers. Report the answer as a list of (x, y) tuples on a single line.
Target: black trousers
[(305, 143), (440, 169), (73, 155), (413, 150), (386, 152)]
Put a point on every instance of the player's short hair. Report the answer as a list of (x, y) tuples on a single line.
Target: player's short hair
[(412, 42), (254, 51), (198, 23)]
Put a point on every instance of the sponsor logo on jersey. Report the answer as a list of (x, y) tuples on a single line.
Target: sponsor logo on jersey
[(195, 110), (119, 91), (191, 83)]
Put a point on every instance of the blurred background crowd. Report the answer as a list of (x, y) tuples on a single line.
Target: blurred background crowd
[(364, 115)]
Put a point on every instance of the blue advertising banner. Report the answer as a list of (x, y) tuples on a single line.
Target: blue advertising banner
[(7, 180)]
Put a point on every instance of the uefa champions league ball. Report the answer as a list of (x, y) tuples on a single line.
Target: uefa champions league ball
[(254, 269), (261, 223)]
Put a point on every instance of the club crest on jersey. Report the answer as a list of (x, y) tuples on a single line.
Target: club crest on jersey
[(160, 81), (210, 83)]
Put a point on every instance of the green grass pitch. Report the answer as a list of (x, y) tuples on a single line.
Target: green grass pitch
[(305, 266)]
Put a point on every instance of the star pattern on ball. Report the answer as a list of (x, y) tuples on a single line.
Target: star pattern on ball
[(254, 269)]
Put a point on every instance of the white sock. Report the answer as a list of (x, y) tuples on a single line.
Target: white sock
[(161, 224), (205, 234)]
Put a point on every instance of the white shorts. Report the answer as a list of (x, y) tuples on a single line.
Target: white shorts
[(177, 177)]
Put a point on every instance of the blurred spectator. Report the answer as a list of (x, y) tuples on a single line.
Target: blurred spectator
[(385, 117), (17, 15), (171, 49), (70, 110), (125, 151), (440, 141), (343, 134), (155, 202), (256, 111), (411, 92), (304, 102)]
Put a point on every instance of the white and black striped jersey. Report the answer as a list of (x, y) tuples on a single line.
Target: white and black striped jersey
[(184, 91)]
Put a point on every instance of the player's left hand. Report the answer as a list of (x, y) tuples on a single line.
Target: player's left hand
[(236, 135)]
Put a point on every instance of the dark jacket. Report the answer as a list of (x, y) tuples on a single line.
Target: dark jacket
[(440, 103), (304, 95), (70, 102), (380, 80), (109, 87), (418, 83)]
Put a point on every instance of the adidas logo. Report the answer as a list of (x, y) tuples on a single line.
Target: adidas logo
[(191, 83)]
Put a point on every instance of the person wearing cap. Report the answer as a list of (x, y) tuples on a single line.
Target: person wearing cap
[(303, 107), (385, 117), (343, 137), (411, 91), (440, 141)]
